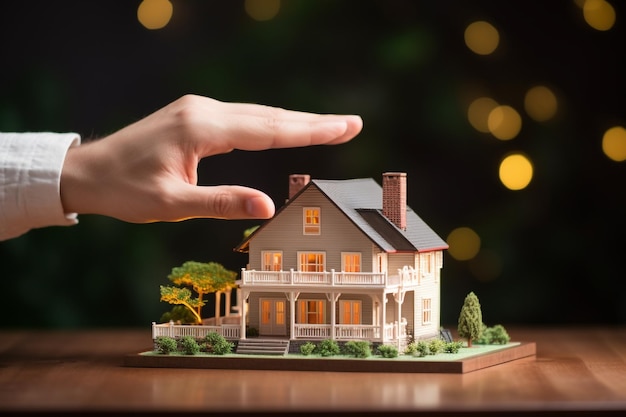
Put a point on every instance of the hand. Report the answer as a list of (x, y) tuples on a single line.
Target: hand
[(147, 171)]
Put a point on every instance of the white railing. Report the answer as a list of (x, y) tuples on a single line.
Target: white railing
[(229, 331), (356, 332), (291, 277), (391, 330), (312, 331)]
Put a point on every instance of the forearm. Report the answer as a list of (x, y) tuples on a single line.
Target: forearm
[(30, 172)]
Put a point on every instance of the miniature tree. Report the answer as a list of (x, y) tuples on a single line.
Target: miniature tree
[(203, 278), (470, 319)]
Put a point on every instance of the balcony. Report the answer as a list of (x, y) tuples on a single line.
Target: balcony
[(406, 276)]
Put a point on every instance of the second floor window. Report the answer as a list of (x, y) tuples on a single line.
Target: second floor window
[(272, 261), (351, 262), (311, 262), (311, 220)]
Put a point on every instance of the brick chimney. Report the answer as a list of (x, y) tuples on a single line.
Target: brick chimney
[(297, 182), (394, 198)]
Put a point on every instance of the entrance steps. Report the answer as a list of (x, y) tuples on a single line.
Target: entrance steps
[(263, 346)]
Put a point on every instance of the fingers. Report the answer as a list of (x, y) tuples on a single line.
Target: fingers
[(224, 202), (221, 127)]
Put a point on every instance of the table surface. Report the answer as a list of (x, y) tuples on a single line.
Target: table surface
[(580, 369)]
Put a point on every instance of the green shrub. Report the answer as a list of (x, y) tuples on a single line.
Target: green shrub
[(494, 335), (453, 347), (411, 348), (388, 351), (189, 345), (435, 346), (422, 348), (165, 345), (328, 347), (358, 348), (307, 348), (217, 344), (499, 335)]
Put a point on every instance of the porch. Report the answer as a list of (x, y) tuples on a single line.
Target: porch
[(229, 331)]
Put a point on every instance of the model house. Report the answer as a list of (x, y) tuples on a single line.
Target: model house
[(343, 260)]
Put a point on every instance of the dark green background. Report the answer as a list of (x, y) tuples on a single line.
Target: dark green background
[(90, 67)]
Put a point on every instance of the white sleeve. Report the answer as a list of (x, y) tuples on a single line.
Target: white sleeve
[(30, 174)]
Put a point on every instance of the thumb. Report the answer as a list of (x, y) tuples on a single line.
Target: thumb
[(226, 202)]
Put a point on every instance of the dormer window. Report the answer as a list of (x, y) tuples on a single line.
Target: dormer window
[(311, 220)]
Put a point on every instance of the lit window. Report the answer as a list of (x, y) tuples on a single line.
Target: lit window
[(351, 262), (311, 217), (311, 262), (426, 311), (311, 311), (350, 312), (272, 261)]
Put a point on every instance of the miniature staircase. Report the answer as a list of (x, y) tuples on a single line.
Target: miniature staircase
[(263, 346)]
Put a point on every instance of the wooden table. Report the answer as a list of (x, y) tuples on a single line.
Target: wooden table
[(577, 371)]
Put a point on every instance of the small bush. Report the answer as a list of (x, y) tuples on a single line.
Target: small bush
[(494, 335), (388, 351), (307, 349), (499, 335), (217, 344), (328, 347), (189, 345), (435, 346), (165, 345), (422, 348), (453, 347), (358, 349), (411, 348)]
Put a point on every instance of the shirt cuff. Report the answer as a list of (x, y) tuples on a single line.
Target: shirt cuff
[(30, 178)]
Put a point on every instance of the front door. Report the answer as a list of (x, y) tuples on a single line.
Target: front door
[(273, 318)]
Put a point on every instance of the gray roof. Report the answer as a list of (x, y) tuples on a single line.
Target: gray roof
[(361, 201)]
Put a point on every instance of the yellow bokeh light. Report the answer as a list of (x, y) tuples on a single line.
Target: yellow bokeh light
[(614, 143), (504, 122), (482, 38), (516, 171), (599, 14), (540, 103), (262, 10), (478, 113), (464, 243), (155, 14)]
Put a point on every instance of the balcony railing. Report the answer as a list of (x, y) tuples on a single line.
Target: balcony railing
[(349, 331), (406, 276)]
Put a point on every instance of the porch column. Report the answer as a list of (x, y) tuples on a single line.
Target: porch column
[(383, 317), (333, 297), (228, 306), (399, 297), (243, 309), (292, 315), (218, 306)]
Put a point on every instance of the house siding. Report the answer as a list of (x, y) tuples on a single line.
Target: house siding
[(338, 234)]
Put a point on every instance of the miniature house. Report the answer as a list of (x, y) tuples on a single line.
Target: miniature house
[(343, 260)]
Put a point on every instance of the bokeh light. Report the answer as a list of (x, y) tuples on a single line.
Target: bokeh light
[(516, 171), (478, 113), (155, 14), (482, 38), (614, 143), (599, 14), (262, 10), (464, 243), (504, 122), (540, 103)]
